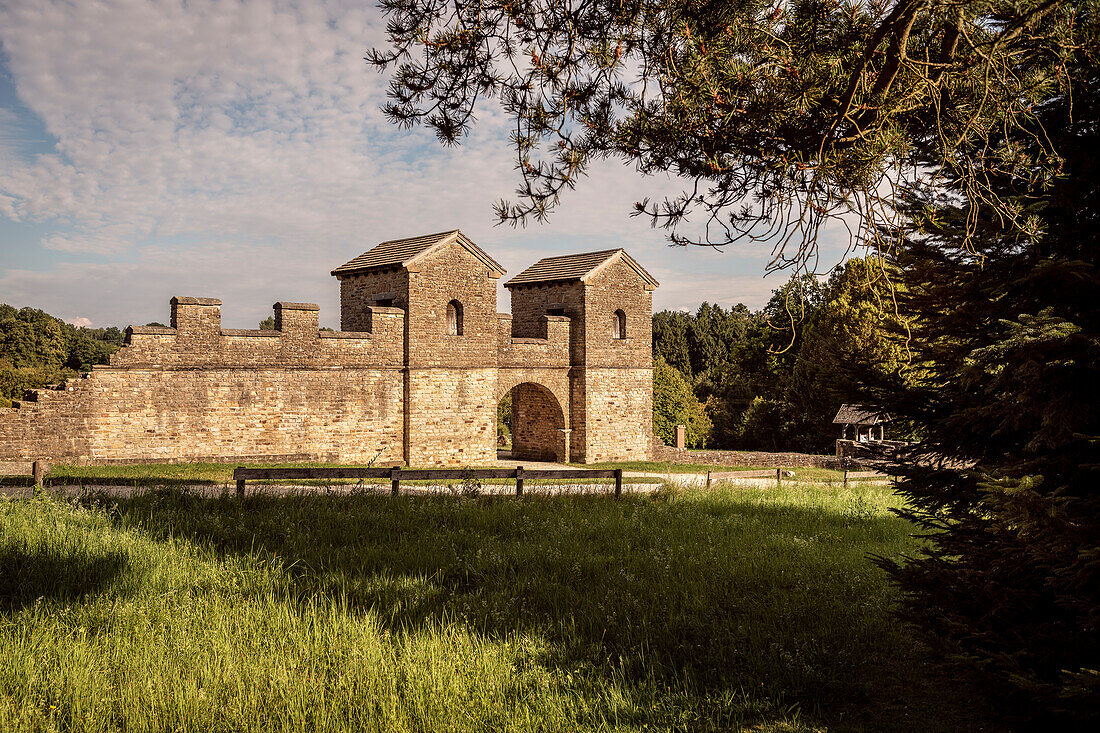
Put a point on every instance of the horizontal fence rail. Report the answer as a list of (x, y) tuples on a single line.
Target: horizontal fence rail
[(727, 475), (35, 469), (397, 474)]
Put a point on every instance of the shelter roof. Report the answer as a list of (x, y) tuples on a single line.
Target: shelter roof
[(403, 252), (859, 415)]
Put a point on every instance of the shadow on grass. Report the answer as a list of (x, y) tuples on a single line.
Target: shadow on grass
[(776, 599), (27, 576)]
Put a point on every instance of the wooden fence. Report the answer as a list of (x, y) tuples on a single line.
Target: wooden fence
[(397, 474), (35, 469), (727, 475)]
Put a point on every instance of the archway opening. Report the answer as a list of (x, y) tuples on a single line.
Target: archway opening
[(531, 425)]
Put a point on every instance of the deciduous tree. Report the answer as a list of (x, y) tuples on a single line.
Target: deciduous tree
[(675, 404)]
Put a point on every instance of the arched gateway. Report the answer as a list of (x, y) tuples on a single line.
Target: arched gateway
[(539, 425), (414, 376)]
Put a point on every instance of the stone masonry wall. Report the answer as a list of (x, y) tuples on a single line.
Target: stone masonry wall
[(199, 392), (358, 294), (127, 415), (451, 377), (617, 377), (452, 417), (618, 287), (530, 304), (618, 414), (395, 386), (758, 459), (550, 348)]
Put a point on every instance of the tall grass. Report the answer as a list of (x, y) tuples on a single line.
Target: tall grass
[(684, 611)]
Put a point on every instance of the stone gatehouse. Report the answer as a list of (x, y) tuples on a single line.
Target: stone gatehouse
[(415, 375)]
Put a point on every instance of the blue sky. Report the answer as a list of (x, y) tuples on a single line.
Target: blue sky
[(235, 149)]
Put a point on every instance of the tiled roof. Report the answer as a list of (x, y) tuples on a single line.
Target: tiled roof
[(858, 415), (575, 267), (400, 252)]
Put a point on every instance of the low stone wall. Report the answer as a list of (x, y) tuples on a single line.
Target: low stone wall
[(853, 449), (759, 459)]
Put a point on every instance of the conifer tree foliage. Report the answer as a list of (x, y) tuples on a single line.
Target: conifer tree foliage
[(963, 133), (779, 115), (1006, 340), (773, 379)]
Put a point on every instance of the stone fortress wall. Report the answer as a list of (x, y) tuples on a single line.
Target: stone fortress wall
[(196, 391), (398, 386)]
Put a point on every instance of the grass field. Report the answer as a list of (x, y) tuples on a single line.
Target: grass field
[(753, 609)]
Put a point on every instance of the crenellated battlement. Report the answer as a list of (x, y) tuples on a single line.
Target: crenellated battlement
[(197, 339), (549, 348)]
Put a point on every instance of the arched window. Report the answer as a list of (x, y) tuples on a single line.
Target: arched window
[(454, 318), (618, 325)]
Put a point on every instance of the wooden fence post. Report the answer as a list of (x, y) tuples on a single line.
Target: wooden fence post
[(519, 480), (779, 477), (618, 482), (395, 482), (845, 478), (38, 471), (240, 487), (708, 480)]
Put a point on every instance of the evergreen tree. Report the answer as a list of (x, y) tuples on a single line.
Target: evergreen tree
[(1006, 482), (670, 340), (779, 117)]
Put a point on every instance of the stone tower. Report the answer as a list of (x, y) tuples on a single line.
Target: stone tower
[(446, 285), (608, 298)]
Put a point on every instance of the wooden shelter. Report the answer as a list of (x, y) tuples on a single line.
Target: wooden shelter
[(860, 424)]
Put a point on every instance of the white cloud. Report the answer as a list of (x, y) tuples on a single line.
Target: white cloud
[(236, 149)]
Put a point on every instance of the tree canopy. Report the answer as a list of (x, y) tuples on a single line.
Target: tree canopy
[(956, 136), (1006, 354), (37, 349), (773, 379), (779, 115), (675, 404)]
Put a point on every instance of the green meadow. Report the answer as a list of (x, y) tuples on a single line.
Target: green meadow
[(738, 609)]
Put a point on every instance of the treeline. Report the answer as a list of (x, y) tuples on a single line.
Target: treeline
[(773, 379), (37, 349)]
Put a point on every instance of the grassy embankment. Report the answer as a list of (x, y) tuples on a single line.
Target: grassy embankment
[(753, 608)]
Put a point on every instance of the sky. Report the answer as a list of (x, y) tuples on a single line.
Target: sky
[(236, 149)]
